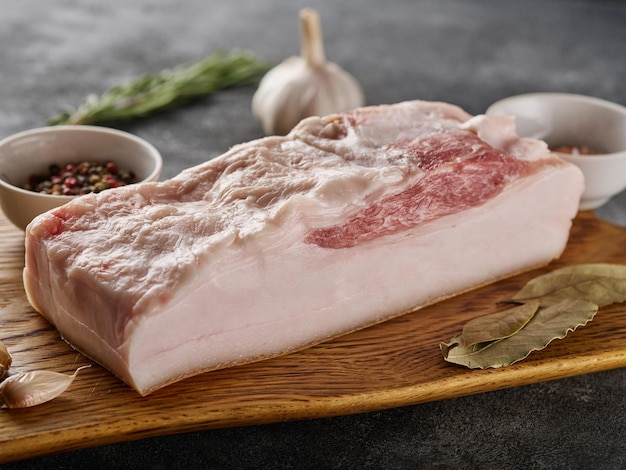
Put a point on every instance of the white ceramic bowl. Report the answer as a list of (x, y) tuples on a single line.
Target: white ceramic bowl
[(563, 119), (33, 151)]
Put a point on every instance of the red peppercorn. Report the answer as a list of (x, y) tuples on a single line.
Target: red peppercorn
[(70, 181), (111, 167)]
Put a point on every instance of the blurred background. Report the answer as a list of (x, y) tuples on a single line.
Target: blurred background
[(470, 53)]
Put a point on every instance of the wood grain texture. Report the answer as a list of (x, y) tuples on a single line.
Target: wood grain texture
[(393, 364)]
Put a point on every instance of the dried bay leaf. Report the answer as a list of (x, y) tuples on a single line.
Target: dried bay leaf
[(549, 323), (498, 325), (567, 299), (601, 283), (456, 342), (459, 348)]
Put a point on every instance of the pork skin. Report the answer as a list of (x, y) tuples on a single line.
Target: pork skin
[(285, 242)]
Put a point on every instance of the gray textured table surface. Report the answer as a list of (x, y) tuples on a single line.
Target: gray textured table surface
[(470, 53)]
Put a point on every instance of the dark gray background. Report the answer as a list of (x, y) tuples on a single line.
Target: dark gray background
[(470, 53)]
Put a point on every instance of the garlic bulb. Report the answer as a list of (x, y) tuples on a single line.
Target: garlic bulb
[(304, 86)]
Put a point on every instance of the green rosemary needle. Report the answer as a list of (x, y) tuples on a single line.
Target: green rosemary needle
[(169, 88)]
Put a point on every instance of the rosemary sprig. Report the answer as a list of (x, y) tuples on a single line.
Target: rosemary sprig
[(166, 89)]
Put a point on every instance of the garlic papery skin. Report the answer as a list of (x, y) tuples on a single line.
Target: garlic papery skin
[(304, 86)]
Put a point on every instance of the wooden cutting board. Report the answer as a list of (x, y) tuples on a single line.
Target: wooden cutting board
[(389, 365)]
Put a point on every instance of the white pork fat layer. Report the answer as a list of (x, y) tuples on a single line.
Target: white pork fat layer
[(280, 295)]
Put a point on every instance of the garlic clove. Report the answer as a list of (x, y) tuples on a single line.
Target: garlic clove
[(5, 360), (340, 91), (277, 101), (33, 388), (304, 86)]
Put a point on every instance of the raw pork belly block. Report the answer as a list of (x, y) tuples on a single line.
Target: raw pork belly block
[(284, 242)]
